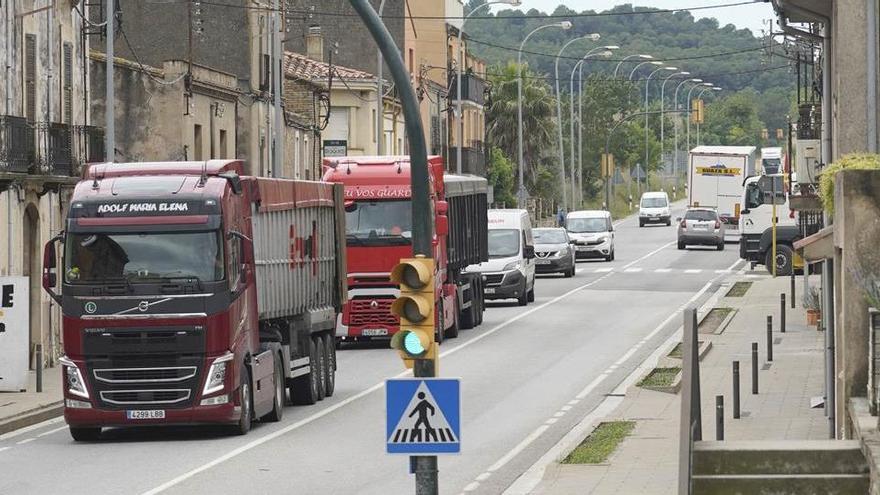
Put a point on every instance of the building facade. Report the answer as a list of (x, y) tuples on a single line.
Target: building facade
[(46, 137)]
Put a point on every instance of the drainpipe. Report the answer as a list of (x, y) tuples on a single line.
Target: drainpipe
[(8, 37), (781, 6), (49, 61), (871, 66)]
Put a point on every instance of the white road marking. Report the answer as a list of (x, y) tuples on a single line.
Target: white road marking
[(56, 430), (26, 440), (693, 270), (4, 448), (566, 408), (22, 431), (722, 271), (663, 270), (551, 421), (559, 414), (603, 270), (484, 476), (652, 253), (632, 270), (519, 448), (473, 486)]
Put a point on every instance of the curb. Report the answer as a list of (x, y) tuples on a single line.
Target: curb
[(32, 417)]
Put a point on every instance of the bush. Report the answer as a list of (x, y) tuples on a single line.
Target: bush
[(855, 161)]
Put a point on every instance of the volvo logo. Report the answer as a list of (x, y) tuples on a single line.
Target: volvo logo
[(143, 306), (91, 307), (374, 304)]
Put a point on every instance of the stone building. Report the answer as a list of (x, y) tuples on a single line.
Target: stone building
[(46, 137)]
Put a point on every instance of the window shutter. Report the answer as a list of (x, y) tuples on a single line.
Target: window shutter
[(30, 77), (68, 83)]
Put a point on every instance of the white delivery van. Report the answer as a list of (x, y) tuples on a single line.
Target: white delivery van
[(715, 180), (592, 234), (510, 271), (654, 208)]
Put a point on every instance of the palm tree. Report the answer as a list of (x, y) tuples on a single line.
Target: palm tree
[(538, 120)]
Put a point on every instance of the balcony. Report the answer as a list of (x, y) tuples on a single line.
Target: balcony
[(48, 148), (16, 144), (473, 159), (472, 89)]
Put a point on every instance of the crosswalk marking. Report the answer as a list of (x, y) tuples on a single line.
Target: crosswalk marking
[(603, 270), (722, 271), (693, 271), (632, 270), (663, 270)]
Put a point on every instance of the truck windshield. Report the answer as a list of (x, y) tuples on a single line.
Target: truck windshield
[(379, 223), (771, 165), (503, 243), (585, 225), (143, 257)]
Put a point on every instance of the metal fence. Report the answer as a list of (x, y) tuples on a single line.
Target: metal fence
[(48, 148)]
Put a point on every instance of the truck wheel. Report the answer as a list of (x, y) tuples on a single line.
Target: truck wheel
[(245, 401), (277, 411), (784, 259), (304, 389), (480, 302), (439, 333), (320, 369), (720, 246), (329, 365), (85, 434), (452, 332), (467, 316)]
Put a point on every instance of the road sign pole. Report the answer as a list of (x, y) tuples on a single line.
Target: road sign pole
[(427, 482)]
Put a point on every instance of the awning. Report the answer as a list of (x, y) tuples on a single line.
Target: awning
[(817, 247)]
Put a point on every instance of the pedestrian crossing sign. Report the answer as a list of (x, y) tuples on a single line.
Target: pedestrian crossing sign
[(423, 416)]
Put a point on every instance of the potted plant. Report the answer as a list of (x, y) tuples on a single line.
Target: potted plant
[(812, 303)]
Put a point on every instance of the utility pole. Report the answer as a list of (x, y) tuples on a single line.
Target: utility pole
[(380, 101), (422, 221), (278, 144), (110, 101)]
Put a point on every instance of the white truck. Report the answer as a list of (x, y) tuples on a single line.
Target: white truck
[(771, 161), (756, 224), (715, 180)]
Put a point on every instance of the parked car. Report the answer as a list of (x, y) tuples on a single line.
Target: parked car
[(701, 226), (654, 208), (554, 252), (592, 233)]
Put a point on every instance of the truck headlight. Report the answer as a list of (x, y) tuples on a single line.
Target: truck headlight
[(513, 265), (216, 379), (73, 378)]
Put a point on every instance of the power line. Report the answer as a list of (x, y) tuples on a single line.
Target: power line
[(702, 76)]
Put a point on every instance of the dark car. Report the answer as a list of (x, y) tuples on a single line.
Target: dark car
[(553, 251)]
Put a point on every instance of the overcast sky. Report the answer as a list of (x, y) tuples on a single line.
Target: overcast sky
[(745, 16)]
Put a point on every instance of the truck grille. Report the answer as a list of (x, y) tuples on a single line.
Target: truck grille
[(494, 278), (370, 311), (145, 397), (144, 375)]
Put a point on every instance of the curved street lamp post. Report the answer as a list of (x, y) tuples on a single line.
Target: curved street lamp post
[(690, 93), (521, 197), (640, 55), (663, 107), (675, 102), (700, 95), (580, 120), (647, 87), (591, 53)]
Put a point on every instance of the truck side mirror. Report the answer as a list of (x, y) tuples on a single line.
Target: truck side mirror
[(50, 263)]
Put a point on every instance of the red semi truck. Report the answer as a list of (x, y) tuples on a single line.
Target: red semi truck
[(378, 234), (193, 295)]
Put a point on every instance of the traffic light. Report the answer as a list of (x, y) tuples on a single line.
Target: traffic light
[(765, 135), (415, 307), (779, 135), (607, 165), (697, 116)]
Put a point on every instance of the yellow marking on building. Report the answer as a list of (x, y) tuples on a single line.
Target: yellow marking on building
[(718, 171)]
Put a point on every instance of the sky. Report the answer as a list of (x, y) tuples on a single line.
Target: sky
[(745, 16)]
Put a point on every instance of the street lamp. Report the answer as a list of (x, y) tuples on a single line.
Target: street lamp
[(689, 111), (521, 192), (647, 87), (663, 107), (458, 109), (591, 53), (646, 57), (699, 95), (633, 73), (675, 101), (592, 37), (580, 159)]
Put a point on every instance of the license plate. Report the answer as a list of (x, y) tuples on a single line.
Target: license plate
[(583, 248), (146, 414), (374, 332), (701, 227), (489, 290), (542, 262)]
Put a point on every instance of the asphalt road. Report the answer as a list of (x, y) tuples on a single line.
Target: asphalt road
[(528, 376)]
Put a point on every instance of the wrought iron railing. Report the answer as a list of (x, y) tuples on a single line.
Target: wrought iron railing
[(16, 144), (473, 88)]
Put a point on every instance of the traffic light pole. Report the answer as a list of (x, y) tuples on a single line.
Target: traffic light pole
[(425, 467)]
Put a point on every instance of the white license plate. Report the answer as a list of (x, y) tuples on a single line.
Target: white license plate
[(542, 262), (583, 248), (146, 414), (701, 227), (489, 290), (374, 332)]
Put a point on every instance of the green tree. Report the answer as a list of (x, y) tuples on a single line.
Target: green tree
[(538, 117), (501, 177)]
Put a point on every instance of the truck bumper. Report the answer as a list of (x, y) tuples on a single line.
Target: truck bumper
[(196, 415)]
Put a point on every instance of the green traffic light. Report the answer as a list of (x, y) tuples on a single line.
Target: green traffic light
[(413, 344)]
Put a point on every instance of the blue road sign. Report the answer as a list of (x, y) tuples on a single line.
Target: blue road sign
[(423, 416)]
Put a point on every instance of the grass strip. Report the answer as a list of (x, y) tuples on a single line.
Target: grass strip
[(660, 377), (601, 443), (739, 289)]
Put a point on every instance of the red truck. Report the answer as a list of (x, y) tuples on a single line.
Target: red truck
[(191, 294), (378, 234)]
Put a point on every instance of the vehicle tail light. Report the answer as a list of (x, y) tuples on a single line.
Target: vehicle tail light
[(717, 224), (683, 224)]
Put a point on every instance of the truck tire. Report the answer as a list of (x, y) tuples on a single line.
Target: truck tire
[(304, 389), (452, 332), (277, 411), (245, 399), (468, 316), (320, 369), (720, 246), (480, 302), (439, 333), (329, 365), (784, 260), (81, 434)]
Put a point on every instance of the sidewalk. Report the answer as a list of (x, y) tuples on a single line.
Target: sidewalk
[(646, 462), (21, 409)]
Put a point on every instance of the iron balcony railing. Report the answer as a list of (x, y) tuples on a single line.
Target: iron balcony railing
[(473, 89), (473, 158), (16, 144), (48, 148)]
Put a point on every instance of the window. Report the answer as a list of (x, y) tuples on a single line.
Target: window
[(503, 243), (223, 153), (30, 77), (197, 142), (234, 261), (701, 215), (67, 83), (586, 225), (379, 223), (373, 127)]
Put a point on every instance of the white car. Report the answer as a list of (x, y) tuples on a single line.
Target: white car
[(654, 208), (591, 233)]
